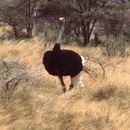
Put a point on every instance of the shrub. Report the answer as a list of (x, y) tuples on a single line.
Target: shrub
[(116, 47), (14, 74)]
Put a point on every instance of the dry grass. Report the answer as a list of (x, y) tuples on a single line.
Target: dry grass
[(101, 105)]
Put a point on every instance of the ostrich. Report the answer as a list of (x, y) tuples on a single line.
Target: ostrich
[(61, 63)]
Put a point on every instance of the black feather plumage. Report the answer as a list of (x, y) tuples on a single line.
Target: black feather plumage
[(62, 62)]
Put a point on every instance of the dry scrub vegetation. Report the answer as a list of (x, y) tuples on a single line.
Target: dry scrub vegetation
[(33, 100)]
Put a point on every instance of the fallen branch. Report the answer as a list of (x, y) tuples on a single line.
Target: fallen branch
[(93, 71)]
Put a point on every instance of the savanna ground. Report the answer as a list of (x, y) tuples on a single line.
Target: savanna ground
[(104, 104)]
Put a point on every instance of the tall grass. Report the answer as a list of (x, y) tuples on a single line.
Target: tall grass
[(101, 105)]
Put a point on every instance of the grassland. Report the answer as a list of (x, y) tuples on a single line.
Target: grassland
[(104, 104)]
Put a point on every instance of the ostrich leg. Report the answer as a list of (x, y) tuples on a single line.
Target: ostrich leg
[(62, 83), (77, 81), (71, 85)]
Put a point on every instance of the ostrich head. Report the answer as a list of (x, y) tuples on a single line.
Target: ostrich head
[(62, 19)]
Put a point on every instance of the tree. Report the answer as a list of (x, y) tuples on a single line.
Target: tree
[(114, 21), (88, 12), (27, 8), (20, 15), (9, 15), (84, 13)]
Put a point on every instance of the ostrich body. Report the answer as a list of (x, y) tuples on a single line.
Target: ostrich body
[(63, 63)]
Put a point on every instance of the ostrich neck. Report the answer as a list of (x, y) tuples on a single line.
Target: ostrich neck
[(56, 52), (56, 49), (58, 41)]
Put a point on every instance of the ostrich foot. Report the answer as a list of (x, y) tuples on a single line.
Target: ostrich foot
[(64, 89), (71, 86)]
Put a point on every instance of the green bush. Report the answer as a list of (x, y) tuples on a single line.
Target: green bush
[(115, 47)]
